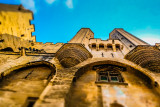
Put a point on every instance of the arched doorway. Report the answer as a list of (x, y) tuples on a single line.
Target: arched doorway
[(109, 83), (23, 87)]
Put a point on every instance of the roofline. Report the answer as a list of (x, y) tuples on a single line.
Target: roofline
[(24, 10)]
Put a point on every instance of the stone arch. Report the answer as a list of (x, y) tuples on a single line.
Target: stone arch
[(25, 83), (29, 64), (84, 78), (120, 64)]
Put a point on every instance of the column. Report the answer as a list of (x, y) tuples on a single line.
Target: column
[(114, 47)]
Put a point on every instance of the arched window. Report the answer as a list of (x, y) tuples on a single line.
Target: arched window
[(109, 47), (93, 46), (101, 46)]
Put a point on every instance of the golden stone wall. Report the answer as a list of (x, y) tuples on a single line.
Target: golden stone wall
[(62, 75), (13, 42), (15, 20)]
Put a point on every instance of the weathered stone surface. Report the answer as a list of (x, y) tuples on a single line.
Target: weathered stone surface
[(86, 72), (146, 56), (72, 54), (15, 20)]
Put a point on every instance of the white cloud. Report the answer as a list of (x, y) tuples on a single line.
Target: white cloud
[(29, 4), (69, 3), (151, 39), (148, 34), (50, 1)]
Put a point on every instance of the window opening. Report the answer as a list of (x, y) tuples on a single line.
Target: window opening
[(101, 46), (109, 47), (110, 76), (31, 101), (94, 46), (130, 46), (22, 35), (117, 46), (2, 40)]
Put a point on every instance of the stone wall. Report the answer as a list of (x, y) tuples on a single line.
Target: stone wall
[(57, 92), (126, 37), (23, 86), (48, 47), (86, 93), (15, 20), (13, 42), (82, 36)]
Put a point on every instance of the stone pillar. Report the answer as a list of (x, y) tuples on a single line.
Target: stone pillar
[(114, 47), (97, 47), (23, 51), (121, 47), (105, 47), (90, 45)]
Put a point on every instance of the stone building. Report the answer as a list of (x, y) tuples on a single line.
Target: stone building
[(122, 71)]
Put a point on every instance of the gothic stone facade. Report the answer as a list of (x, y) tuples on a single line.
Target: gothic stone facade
[(122, 71)]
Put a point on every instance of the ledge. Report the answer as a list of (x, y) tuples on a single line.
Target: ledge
[(110, 83)]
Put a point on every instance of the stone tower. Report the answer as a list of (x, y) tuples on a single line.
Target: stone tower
[(122, 71), (15, 20)]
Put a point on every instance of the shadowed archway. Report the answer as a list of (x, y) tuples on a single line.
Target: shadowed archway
[(23, 85)]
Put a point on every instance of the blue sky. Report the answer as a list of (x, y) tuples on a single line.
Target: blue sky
[(59, 20)]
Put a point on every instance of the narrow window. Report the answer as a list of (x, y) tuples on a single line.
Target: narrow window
[(117, 46), (2, 40)]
